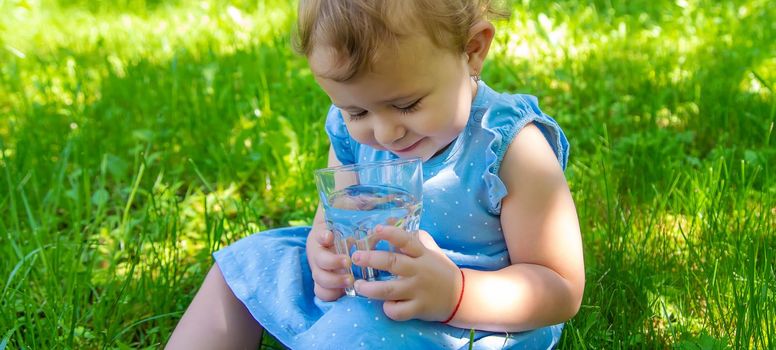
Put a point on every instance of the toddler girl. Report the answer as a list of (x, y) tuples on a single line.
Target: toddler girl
[(499, 250)]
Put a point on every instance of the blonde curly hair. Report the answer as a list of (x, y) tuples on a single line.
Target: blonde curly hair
[(356, 29)]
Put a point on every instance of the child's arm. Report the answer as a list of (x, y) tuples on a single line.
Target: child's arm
[(544, 284), (328, 268)]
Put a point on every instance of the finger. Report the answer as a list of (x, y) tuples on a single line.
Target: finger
[(397, 264), (327, 294), (428, 241), (325, 238), (401, 310), (332, 279), (397, 289), (401, 240), (330, 261)]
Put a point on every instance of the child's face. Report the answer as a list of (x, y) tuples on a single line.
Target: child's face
[(413, 102)]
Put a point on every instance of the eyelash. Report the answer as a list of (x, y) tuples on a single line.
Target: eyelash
[(403, 110), (411, 108)]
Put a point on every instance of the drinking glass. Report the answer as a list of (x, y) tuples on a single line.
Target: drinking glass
[(358, 197)]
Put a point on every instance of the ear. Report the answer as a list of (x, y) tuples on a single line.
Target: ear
[(480, 37)]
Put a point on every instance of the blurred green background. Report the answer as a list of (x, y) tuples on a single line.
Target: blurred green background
[(137, 137)]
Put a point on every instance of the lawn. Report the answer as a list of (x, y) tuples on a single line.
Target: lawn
[(136, 138)]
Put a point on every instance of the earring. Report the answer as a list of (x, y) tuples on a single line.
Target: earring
[(476, 77)]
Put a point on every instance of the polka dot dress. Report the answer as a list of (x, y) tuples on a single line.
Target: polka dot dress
[(269, 273)]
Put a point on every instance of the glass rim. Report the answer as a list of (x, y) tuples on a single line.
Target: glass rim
[(367, 165)]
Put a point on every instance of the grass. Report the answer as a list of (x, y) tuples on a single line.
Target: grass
[(137, 138)]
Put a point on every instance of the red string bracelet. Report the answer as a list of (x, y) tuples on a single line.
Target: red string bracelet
[(460, 297)]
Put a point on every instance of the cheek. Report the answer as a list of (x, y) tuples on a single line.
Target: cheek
[(433, 124), (362, 134), (439, 121), (449, 111)]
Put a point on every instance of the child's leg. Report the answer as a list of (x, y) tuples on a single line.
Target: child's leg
[(216, 319)]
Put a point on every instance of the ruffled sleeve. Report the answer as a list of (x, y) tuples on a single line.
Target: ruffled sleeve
[(344, 145), (503, 120)]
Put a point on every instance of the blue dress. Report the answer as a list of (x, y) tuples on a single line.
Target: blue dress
[(462, 195)]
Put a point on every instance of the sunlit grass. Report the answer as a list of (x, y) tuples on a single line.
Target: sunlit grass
[(62, 54), (138, 136)]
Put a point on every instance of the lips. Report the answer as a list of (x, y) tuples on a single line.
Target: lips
[(410, 148)]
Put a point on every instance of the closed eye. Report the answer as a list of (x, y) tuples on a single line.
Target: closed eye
[(412, 107), (357, 116)]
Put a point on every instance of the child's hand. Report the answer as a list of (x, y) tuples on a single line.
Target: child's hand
[(329, 269), (429, 282)]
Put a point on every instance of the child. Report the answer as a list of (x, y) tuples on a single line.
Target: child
[(499, 250)]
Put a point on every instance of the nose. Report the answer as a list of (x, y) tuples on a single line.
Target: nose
[(387, 130)]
